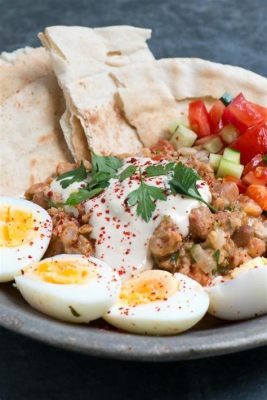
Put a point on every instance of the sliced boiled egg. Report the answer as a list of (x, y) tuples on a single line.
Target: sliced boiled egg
[(241, 294), (25, 232), (70, 287), (158, 303)]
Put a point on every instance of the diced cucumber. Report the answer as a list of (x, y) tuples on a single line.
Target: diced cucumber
[(173, 127), (226, 99), (182, 136), (229, 168), (228, 134), (231, 155), (214, 160), (214, 145)]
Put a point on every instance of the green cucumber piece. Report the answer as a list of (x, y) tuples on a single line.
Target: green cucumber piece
[(214, 160), (173, 127), (228, 134), (214, 145), (229, 168), (226, 99), (182, 136), (231, 155)]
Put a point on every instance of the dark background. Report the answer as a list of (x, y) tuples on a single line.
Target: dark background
[(229, 31)]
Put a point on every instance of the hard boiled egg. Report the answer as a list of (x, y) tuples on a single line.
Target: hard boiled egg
[(25, 232), (158, 303), (70, 287), (241, 294)]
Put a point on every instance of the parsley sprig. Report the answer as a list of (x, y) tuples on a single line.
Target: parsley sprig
[(184, 182), (145, 197), (103, 169), (75, 175)]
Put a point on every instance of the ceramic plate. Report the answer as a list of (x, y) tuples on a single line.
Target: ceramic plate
[(210, 337)]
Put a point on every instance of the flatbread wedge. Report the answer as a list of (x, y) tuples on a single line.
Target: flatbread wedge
[(82, 58), (21, 67), (31, 141)]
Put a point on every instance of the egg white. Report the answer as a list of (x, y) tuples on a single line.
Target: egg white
[(243, 294), (13, 259), (178, 313), (77, 303)]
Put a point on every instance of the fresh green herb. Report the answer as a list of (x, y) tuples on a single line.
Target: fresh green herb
[(226, 99), (99, 179), (174, 257), (109, 165), (82, 195), (264, 158), (170, 167), (74, 312), (155, 170), (216, 256), (51, 203), (184, 182), (127, 173), (76, 175), (145, 197)]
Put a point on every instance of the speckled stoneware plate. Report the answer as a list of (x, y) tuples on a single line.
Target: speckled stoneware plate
[(209, 337)]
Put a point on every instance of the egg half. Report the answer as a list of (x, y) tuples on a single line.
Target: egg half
[(242, 294), (70, 287), (158, 303), (25, 232)]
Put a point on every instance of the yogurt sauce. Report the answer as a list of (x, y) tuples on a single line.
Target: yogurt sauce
[(121, 236)]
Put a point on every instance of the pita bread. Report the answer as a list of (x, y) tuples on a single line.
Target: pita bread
[(194, 78), (153, 96), (80, 53), (21, 67), (31, 141), (95, 104)]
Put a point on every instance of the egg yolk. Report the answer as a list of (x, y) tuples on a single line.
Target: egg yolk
[(16, 226), (65, 272), (150, 286)]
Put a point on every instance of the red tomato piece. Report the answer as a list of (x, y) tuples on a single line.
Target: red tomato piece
[(252, 142), (258, 176), (262, 110), (199, 118), (242, 114), (256, 161), (259, 194), (241, 187), (216, 113)]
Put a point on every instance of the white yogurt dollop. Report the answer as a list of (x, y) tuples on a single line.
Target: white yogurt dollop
[(121, 236)]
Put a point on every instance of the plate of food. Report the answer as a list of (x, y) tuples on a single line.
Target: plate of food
[(133, 198)]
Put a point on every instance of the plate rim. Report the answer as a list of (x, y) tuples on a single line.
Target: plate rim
[(138, 348)]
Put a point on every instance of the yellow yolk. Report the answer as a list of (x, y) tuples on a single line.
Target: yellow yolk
[(150, 286), (65, 272), (16, 226)]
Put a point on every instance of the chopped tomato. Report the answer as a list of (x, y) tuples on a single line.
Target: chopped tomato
[(262, 110), (216, 113), (162, 149), (255, 162), (241, 187), (259, 194), (258, 176), (242, 114), (252, 142), (199, 118)]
